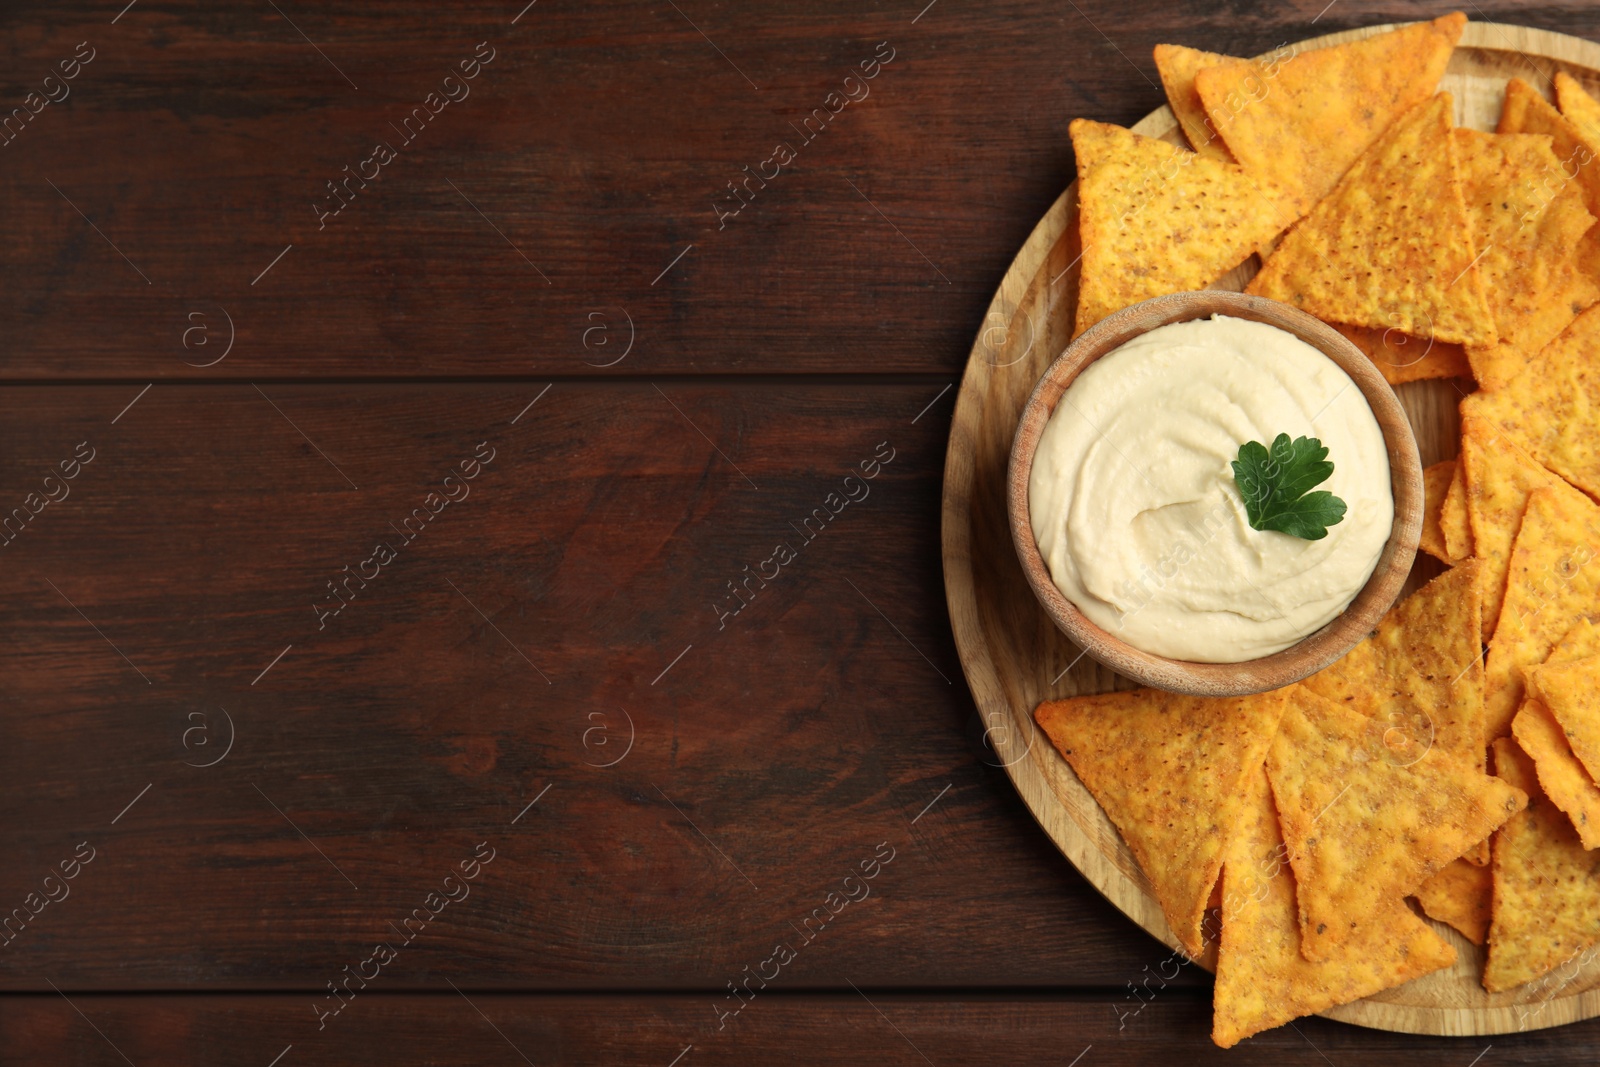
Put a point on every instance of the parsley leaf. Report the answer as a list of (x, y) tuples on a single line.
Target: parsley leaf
[(1276, 487)]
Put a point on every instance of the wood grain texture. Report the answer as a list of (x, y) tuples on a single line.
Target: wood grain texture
[(596, 142), (196, 141), (775, 1027), (1312, 652), (1015, 657), (599, 542)]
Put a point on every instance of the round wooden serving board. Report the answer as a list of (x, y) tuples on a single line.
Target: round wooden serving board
[(1014, 657)]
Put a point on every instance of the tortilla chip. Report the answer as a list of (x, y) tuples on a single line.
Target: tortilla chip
[(1546, 885), (1580, 642), (1562, 778), (1435, 483), (1403, 358), (1166, 768), (1578, 107), (1497, 365), (1156, 219), (1420, 675), (1362, 830), (1529, 234), (1527, 111), (1500, 476), (1453, 520), (1391, 247), (1309, 117), (1262, 979), (1569, 691), (1551, 584), (1459, 895), (1177, 66), (1550, 409)]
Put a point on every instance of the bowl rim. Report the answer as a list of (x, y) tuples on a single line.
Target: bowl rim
[(1315, 650)]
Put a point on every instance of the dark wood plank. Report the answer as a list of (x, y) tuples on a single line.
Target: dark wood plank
[(776, 1026), (769, 759), (596, 142)]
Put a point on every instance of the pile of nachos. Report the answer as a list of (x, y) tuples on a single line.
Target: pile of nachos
[(1447, 766)]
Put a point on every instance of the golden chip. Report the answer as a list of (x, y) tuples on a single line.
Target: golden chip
[(1546, 885), (1526, 111), (1177, 66), (1453, 520), (1578, 107), (1549, 410), (1580, 642), (1156, 219), (1166, 768), (1551, 584), (1420, 675), (1562, 778), (1529, 234), (1262, 979), (1583, 111), (1569, 690), (1500, 475), (1403, 358), (1308, 117), (1361, 829), (1435, 483), (1391, 247), (1459, 895)]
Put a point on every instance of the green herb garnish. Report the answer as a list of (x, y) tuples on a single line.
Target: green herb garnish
[(1276, 486)]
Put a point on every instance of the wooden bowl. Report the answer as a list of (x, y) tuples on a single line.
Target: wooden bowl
[(1312, 652)]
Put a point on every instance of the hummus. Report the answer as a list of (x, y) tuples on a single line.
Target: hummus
[(1134, 507)]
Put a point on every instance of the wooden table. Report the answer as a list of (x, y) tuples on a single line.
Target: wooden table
[(417, 581)]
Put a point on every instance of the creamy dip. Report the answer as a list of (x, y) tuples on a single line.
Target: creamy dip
[(1135, 510)]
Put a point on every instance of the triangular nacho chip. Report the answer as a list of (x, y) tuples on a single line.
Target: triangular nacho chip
[(1154, 218), (1166, 768), (1526, 111), (1578, 107), (1309, 117), (1562, 778), (1580, 642), (1571, 690), (1402, 358), (1435, 483), (1528, 234), (1553, 581), (1391, 247), (1262, 979), (1500, 476), (1177, 66), (1420, 674), (1362, 830), (1453, 520), (1459, 895), (1550, 409), (1546, 885)]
